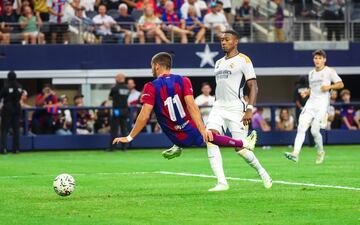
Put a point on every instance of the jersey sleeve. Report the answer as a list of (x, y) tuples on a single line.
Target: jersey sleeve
[(149, 94), (248, 68), (334, 76), (188, 90)]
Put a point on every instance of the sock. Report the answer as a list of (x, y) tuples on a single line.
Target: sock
[(299, 140), (226, 141), (317, 139), (216, 162), (251, 159)]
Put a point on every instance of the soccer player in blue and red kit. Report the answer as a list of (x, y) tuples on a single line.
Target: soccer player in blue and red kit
[(171, 97)]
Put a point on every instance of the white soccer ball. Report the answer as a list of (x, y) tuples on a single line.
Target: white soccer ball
[(64, 184)]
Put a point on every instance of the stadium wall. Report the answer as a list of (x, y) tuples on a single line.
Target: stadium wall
[(79, 142)]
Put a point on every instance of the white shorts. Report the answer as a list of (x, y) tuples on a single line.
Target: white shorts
[(314, 116), (221, 119)]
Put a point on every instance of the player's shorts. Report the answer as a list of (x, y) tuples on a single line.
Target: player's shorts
[(311, 116), (221, 119), (187, 137)]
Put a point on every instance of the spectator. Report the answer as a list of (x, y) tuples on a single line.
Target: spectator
[(134, 94), (84, 119), (226, 7), (205, 101), (119, 95), (23, 100), (104, 23), (102, 124), (150, 25), (302, 17), (284, 122), (29, 25), (141, 4), (128, 23), (244, 15), (64, 121), (41, 10), (19, 5), (301, 95), (215, 20), (196, 25), (174, 23), (58, 24), (334, 112), (279, 22), (7, 20), (258, 121), (348, 112), (185, 8), (89, 5), (42, 122), (333, 11)]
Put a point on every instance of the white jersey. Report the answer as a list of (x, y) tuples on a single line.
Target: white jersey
[(317, 79), (231, 76)]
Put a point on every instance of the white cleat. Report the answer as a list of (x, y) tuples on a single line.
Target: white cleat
[(251, 141), (267, 181), (219, 187), (320, 158)]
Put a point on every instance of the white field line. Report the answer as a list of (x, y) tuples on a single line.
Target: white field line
[(187, 175), (258, 180)]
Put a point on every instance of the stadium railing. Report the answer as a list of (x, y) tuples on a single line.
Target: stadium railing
[(81, 32)]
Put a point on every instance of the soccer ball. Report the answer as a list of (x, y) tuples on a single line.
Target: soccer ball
[(64, 184)]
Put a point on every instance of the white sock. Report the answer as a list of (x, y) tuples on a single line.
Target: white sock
[(251, 159), (317, 139), (299, 140), (215, 160)]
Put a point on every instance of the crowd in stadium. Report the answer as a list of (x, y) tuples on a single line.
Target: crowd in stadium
[(53, 118), (160, 21)]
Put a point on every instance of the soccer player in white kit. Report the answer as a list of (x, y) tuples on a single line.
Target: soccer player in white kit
[(230, 111), (315, 110)]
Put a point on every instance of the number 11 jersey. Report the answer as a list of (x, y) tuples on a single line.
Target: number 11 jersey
[(166, 93)]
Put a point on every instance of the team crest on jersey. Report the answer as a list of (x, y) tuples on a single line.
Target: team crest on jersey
[(232, 65)]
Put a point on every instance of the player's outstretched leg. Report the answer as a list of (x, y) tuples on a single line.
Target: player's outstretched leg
[(225, 141), (173, 152)]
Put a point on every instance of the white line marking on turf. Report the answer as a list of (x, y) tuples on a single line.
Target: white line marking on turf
[(258, 180)]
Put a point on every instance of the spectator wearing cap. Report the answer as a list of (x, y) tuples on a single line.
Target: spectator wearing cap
[(64, 120), (348, 112), (215, 20), (42, 120), (119, 95), (84, 118), (10, 112), (128, 25)]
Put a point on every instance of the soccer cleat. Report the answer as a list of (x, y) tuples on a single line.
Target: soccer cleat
[(219, 187), (320, 158), (173, 152), (291, 157), (251, 141), (267, 181)]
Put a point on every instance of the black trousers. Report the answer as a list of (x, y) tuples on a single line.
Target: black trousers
[(115, 124), (7, 122)]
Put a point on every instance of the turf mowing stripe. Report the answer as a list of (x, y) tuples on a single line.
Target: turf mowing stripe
[(257, 180), (73, 174)]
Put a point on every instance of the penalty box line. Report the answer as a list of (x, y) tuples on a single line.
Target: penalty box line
[(258, 180)]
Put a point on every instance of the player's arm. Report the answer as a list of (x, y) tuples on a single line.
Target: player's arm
[(253, 90), (140, 123), (336, 86), (196, 116)]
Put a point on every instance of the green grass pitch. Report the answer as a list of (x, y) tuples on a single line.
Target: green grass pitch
[(110, 192)]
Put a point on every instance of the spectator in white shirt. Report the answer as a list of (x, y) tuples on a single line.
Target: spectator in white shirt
[(134, 95), (185, 7), (216, 20), (205, 101), (104, 23)]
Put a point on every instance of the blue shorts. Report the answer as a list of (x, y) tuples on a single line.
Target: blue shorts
[(188, 137)]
